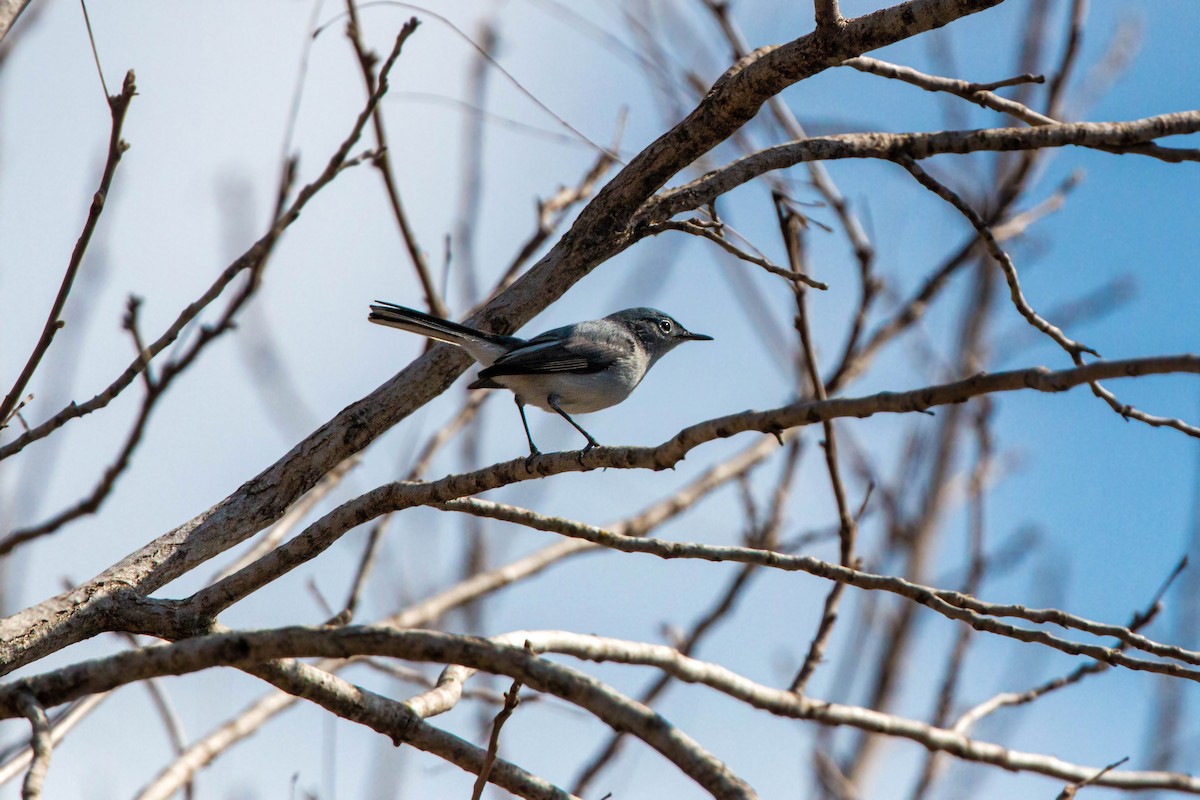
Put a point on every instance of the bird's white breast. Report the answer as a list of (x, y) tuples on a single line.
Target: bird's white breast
[(580, 393)]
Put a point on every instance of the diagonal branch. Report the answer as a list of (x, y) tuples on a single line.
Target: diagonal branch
[(252, 262), (383, 162), (1073, 348), (118, 105), (601, 231)]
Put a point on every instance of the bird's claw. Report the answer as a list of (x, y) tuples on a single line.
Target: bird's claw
[(591, 445)]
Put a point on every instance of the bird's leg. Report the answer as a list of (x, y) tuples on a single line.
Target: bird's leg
[(552, 400), (533, 451)]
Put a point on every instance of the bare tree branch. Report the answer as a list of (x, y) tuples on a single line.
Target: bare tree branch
[(40, 743), (118, 106), (917, 146), (383, 163), (517, 663)]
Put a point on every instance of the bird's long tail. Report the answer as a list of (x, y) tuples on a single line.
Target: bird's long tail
[(409, 319)]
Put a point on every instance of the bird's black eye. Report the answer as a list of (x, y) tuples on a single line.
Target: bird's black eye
[(664, 325)]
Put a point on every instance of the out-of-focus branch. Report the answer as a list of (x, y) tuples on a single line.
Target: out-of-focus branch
[(118, 106), (790, 226), (201, 753), (1070, 55), (252, 262), (551, 213), (17, 759), (977, 566)]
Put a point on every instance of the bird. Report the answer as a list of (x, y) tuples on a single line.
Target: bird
[(575, 369)]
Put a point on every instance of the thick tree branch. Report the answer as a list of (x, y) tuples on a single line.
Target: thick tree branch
[(9, 11), (236, 649), (601, 231)]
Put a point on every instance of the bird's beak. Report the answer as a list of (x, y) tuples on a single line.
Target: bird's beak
[(696, 337)]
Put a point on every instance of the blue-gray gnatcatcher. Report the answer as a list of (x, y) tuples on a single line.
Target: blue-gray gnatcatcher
[(571, 370)]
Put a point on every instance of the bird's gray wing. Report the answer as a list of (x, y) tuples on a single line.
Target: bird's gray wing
[(557, 351)]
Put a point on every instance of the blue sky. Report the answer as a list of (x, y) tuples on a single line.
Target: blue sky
[(1111, 502)]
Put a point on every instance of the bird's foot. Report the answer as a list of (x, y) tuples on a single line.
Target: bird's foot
[(529, 459), (591, 445)]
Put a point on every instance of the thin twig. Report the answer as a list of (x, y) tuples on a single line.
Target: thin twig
[(1069, 792), (118, 105), (1073, 348), (970, 718), (511, 699), (383, 162), (496, 64), (1016, 80), (706, 232), (977, 613), (915, 145), (252, 261), (979, 93), (16, 759), (103, 488), (365, 564), (40, 743), (87, 21)]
